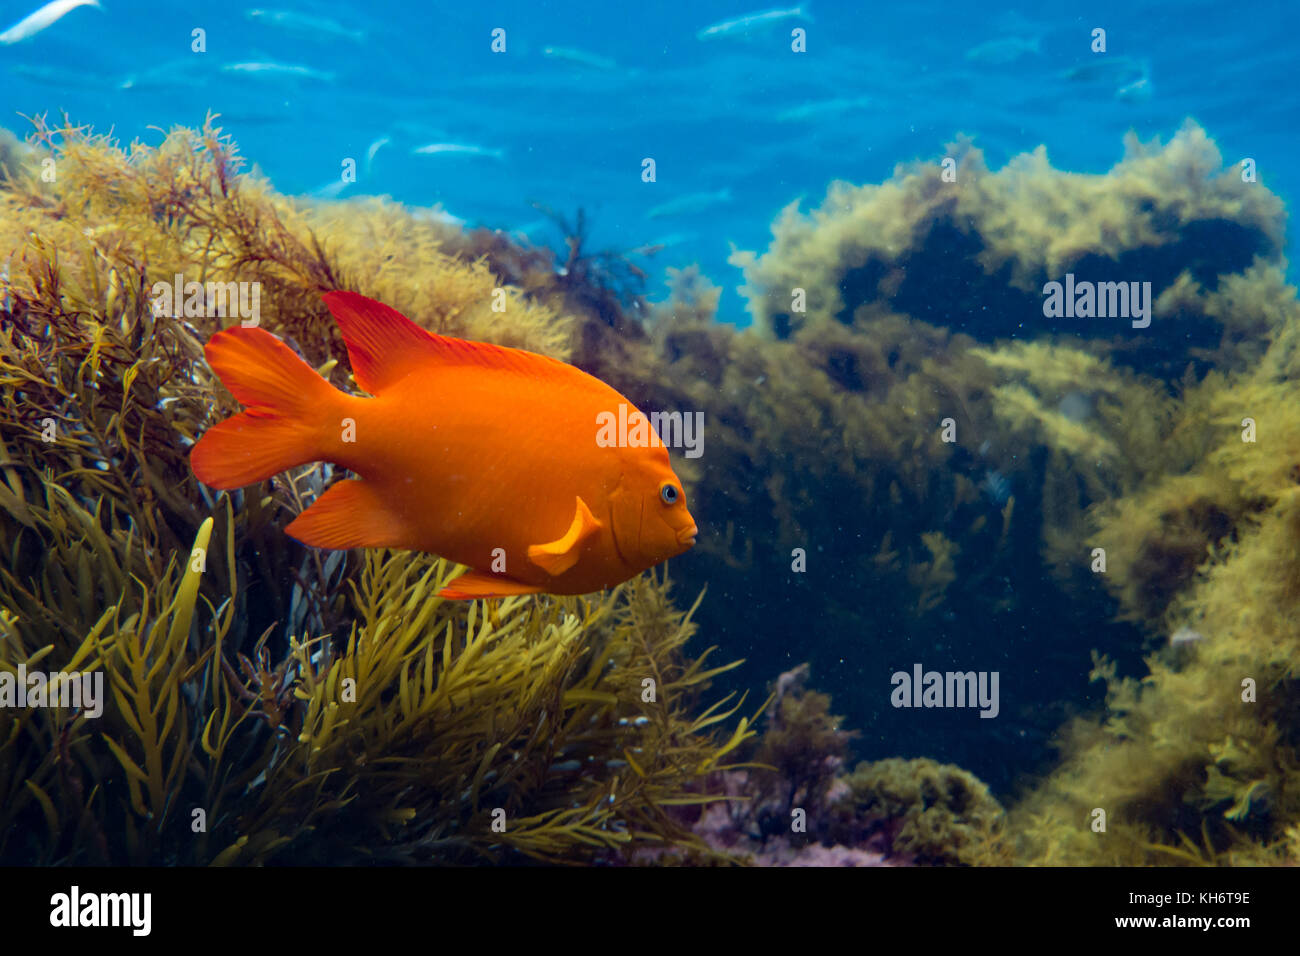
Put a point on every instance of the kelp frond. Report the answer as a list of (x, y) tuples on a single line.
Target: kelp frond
[(436, 731)]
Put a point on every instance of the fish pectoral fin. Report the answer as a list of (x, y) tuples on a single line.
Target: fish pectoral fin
[(350, 514), (556, 557), (478, 584)]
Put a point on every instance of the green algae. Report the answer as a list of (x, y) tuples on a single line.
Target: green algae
[(937, 814), (1199, 528), (267, 703)]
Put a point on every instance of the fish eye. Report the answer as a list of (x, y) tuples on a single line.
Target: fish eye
[(668, 493)]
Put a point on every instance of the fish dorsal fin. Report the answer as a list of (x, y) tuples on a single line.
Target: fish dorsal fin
[(556, 557), (385, 346)]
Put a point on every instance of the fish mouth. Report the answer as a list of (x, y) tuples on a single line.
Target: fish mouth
[(686, 536)]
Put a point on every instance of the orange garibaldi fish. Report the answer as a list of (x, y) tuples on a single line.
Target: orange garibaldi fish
[(465, 448)]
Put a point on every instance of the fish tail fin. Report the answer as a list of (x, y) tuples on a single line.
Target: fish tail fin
[(283, 424)]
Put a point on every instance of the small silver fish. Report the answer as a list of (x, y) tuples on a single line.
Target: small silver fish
[(373, 148), (1135, 92), (458, 149), (166, 76), (664, 242), (60, 76), (690, 205), (46, 16), (579, 57), (996, 487), (675, 239), (1003, 51), (823, 109), (1185, 636), (270, 68), (302, 23), (1105, 68), (742, 25), (331, 190)]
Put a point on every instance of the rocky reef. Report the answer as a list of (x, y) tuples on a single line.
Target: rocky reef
[(1111, 491)]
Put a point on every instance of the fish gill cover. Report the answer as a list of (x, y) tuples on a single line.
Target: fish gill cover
[(933, 445)]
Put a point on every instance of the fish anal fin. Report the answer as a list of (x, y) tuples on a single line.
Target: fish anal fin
[(478, 584), (350, 514), (556, 557)]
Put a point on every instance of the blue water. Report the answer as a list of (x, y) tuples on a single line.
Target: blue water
[(742, 119)]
